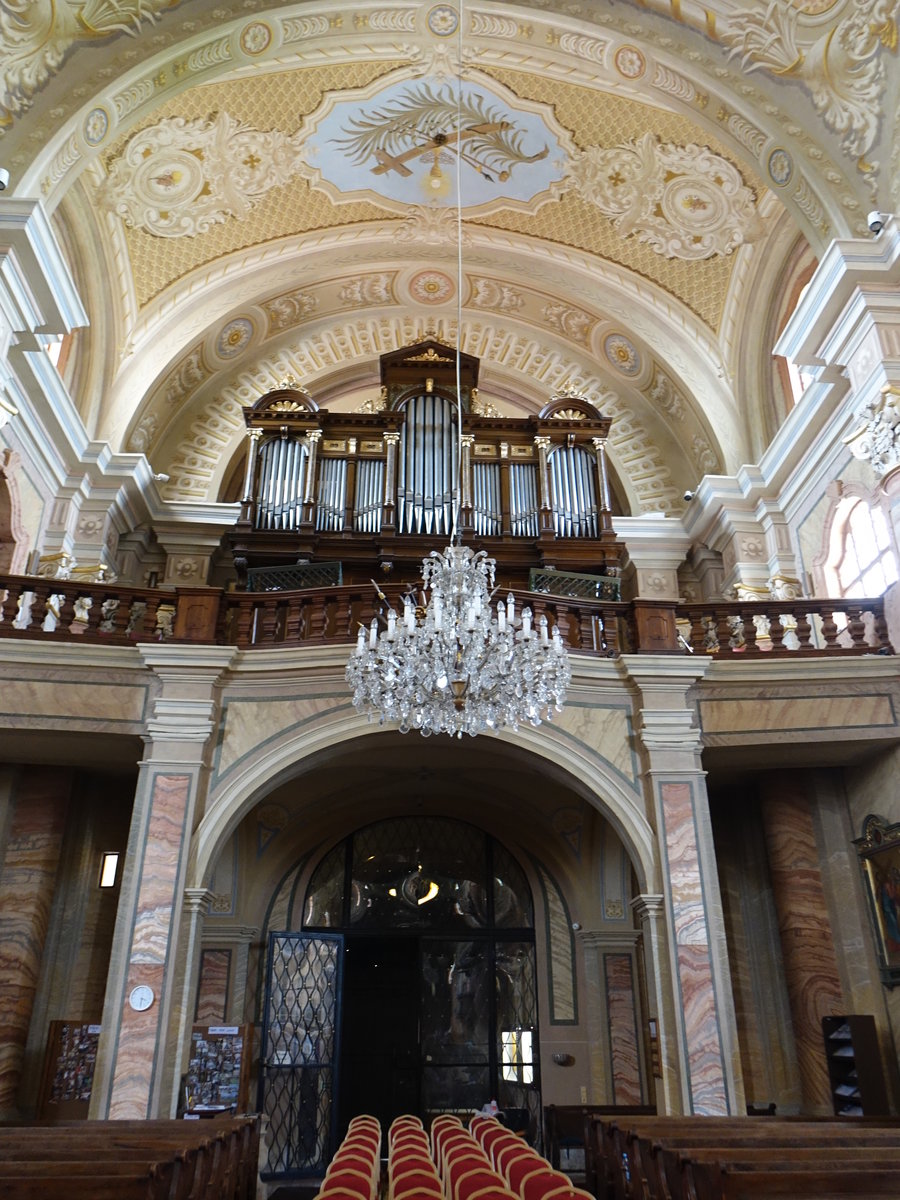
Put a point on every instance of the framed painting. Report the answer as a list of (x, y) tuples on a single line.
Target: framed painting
[(879, 858)]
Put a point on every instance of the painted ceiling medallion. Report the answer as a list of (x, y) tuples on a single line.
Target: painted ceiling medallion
[(443, 20), (629, 62), (622, 354), (404, 143), (234, 337), (684, 201), (431, 287)]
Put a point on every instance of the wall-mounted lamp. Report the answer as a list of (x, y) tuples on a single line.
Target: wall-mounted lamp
[(109, 865), (562, 1059)]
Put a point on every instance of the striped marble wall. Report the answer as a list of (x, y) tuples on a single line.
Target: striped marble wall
[(138, 1035), (703, 1041), (807, 942), (27, 882), (212, 989), (621, 1005)]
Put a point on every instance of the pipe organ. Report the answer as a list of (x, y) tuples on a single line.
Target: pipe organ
[(377, 489)]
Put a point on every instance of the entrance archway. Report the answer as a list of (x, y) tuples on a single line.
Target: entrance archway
[(411, 989)]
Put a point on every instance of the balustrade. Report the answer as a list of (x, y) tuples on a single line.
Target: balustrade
[(62, 610)]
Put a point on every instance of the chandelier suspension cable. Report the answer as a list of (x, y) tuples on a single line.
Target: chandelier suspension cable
[(452, 664), (457, 495)]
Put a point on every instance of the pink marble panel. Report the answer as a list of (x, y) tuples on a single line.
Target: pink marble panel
[(623, 1034), (212, 990), (810, 964), (138, 1031), (27, 882), (691, 931)]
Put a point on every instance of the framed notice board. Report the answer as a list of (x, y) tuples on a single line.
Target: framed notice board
[(218, 1074), (68, 1074)]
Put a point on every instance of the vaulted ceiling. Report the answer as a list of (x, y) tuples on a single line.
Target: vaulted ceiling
[(248, 192)]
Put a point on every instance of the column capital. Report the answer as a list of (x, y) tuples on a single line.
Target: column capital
[(196, 898), (649, 906), (254, 433), (390, 437), (543, 442)]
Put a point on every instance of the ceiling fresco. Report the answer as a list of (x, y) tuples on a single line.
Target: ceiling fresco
[(248, 190)]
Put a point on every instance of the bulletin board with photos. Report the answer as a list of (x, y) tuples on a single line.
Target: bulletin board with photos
[(68, 1074), (218, 1074)]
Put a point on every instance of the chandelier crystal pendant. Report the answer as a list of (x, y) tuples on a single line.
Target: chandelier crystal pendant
[(455, 665)]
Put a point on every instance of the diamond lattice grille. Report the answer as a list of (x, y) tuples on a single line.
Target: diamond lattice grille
[(298, 1052)]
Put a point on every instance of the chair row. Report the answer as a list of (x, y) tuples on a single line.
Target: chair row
[(525, 1172), (412, 1174), (355, 1171)]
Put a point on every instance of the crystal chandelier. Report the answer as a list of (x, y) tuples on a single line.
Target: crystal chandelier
[(455, 665)]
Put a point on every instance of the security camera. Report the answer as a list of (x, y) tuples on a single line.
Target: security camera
[(876, 220), (688, 496), (4, 179)]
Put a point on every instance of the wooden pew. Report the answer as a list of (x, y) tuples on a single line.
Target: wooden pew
[(708, 1158), (150, 1160), (569, 1125)]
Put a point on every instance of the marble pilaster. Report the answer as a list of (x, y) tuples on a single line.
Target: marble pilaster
[(707, 1060), (140, 1051), (807, 945), (212, 987), (35, 825), (611, 971)]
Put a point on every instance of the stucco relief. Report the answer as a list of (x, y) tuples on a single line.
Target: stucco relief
[(684, 201), (843, 69), (877, 440), (180, 177), (35, 36)]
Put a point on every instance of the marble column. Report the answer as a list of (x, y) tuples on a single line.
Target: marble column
[(704, 1055), (807, 946), (37, 805), (141, 1048)]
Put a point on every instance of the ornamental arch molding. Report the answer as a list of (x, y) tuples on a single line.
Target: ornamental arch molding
[(302, 746)]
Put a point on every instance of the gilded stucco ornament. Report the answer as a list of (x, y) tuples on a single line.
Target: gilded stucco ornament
[(178, 178), (877, 440), (684, 201), (843, 69), (35, 36)]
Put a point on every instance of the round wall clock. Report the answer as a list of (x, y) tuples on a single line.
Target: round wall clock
[(141, 997)]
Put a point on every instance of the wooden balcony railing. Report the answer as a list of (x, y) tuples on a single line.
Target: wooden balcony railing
[(117, 614)]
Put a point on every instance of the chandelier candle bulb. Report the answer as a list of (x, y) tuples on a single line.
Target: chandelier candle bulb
[(526, 623)]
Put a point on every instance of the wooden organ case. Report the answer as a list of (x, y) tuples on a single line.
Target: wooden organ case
[(371, 493)]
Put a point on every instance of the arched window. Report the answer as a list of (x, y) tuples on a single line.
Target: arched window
[(860, 554)]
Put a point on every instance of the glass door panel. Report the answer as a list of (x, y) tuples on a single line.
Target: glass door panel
[(455, 1028)]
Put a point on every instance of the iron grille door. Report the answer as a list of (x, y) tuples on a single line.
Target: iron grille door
[(299, 1058)]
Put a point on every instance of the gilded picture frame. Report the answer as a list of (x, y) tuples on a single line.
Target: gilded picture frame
[(879, 859)]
